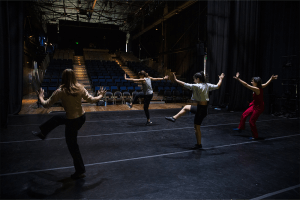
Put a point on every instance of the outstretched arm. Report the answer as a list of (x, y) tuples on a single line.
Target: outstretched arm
[(269, 81), (86, 96), (220, 80), (178, 81), (254, 89), (54, 98), (132, 79), (160, 79)]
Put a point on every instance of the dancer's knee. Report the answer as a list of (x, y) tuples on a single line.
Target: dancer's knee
[(186, 108), (252, 122)]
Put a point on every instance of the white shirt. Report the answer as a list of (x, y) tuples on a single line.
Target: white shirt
[(147, 87), (200, 90)]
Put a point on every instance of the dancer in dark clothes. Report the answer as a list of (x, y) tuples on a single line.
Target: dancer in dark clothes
[(200, 94), (70, 93), (257, 106), (147, 91)]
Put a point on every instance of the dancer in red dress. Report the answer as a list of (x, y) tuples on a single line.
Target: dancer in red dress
[(257, 106)]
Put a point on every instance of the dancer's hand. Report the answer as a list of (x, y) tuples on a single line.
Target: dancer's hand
[(237, 75), (174, 76), (40, 93), (274, 77), (102, 91), (222, 76), (166, 77)]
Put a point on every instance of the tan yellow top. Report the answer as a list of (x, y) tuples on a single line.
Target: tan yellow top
[(71, 104)]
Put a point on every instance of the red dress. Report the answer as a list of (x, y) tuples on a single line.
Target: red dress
[(257, 107)]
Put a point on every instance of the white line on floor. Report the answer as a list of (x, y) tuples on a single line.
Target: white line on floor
[(104, 120), (139, 158), (87, 136), (277, 192)]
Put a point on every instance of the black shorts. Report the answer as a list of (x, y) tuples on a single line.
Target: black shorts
[(200, 112)]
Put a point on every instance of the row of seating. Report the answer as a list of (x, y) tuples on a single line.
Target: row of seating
[(127, 57), (100, 63), (116, 66), (92, 74), (105, 69), (107, 77), (127, 96), (121, 88), (61, 61), (53, 82), (52, 77), (92, 54), (61, 54), (110, 74), (137, 67), (108, 82)]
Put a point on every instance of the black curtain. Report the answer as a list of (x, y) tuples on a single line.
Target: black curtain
[(245, 36), (11, 60)]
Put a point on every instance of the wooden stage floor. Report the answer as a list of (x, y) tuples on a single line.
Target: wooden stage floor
[(29, 106)]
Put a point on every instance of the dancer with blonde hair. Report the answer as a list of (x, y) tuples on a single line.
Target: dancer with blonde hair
[(70, 92)]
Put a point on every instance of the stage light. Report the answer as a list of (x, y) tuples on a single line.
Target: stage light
[(76, 42)]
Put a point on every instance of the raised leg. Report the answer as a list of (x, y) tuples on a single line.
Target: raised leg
[(244, 116), (52, 123), (183, 111)]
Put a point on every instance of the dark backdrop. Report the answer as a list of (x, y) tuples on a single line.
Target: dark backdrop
[(86, 33), (251, 37), (179, 48), (11, 60)]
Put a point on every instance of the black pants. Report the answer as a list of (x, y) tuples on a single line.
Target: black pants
[(71, 131), (200, 113), (147, 99)]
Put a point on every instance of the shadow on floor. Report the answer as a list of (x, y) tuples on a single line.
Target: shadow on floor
[(45, 185)]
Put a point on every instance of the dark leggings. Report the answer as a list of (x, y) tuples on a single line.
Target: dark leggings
[(71, 131), (147, 99), (200, 113)]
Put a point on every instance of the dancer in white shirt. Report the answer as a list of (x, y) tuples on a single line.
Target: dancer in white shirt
[(200, 94)]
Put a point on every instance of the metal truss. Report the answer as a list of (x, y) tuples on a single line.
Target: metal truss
[(123, 13)]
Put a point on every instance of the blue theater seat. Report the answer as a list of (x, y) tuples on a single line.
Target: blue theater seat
[(123, 88)]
